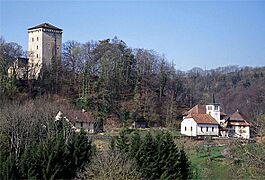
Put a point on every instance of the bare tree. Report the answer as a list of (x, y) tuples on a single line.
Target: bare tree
[(109, 165)]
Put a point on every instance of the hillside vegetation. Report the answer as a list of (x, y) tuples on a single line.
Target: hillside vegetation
[(123, 84), (119, 85)]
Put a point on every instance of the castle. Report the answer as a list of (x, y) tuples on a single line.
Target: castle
[(44, 47)]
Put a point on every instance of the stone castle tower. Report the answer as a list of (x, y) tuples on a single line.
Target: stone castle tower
[(44, 46)]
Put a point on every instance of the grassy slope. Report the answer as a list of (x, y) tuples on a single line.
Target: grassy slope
[(211, 165)]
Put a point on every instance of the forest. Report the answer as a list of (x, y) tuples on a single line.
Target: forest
[(119, 84)]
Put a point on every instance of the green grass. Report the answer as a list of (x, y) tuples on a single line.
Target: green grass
[(209, 163)]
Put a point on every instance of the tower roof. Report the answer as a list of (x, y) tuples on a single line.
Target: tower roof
[(45, 25)]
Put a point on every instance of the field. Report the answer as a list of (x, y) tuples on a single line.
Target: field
[(207, 157), (209, 163)]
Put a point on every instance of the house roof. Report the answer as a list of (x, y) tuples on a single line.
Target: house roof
[(199, 109), (45, 25), (238, 123), (238, 116), (238, 119), (21, 62), (202, 118), (79, 116)]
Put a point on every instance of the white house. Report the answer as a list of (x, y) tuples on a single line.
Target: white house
[(238, 126), (208, 120), (199, 125), (80, 120)]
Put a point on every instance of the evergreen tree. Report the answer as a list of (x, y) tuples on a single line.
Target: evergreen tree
[(146, 157), (157, 157), (184, 165), (135, 144)]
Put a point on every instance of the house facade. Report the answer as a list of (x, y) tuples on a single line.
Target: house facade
[(80, 120), (198, 123), (209, 120), (238, 125)]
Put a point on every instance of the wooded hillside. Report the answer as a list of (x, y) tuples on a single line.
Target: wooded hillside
[(123, 84)]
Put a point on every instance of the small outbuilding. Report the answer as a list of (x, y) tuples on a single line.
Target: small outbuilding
[(140, 123)]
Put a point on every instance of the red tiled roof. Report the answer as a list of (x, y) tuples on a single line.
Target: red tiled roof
[(203, 118), (198, 109)]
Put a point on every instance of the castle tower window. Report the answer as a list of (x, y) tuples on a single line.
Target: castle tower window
[(212, 129), (32, 39), (207, 129), (37, 38), (37, 55), (37, 47), (209, 107)]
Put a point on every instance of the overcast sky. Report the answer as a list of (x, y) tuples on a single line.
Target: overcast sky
[(191, 34)]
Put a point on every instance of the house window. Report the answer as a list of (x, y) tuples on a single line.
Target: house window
[(209, 107), (32, 39), (190, 128), (37, 38), (37, 55), (207, 129), (185, 128), (81, 124), (201, 129), (216, 108), (212, 129), (37, 47)]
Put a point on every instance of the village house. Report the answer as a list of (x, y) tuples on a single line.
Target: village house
[(238, 125), (80, 119), (202, 120), (209, 120)]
